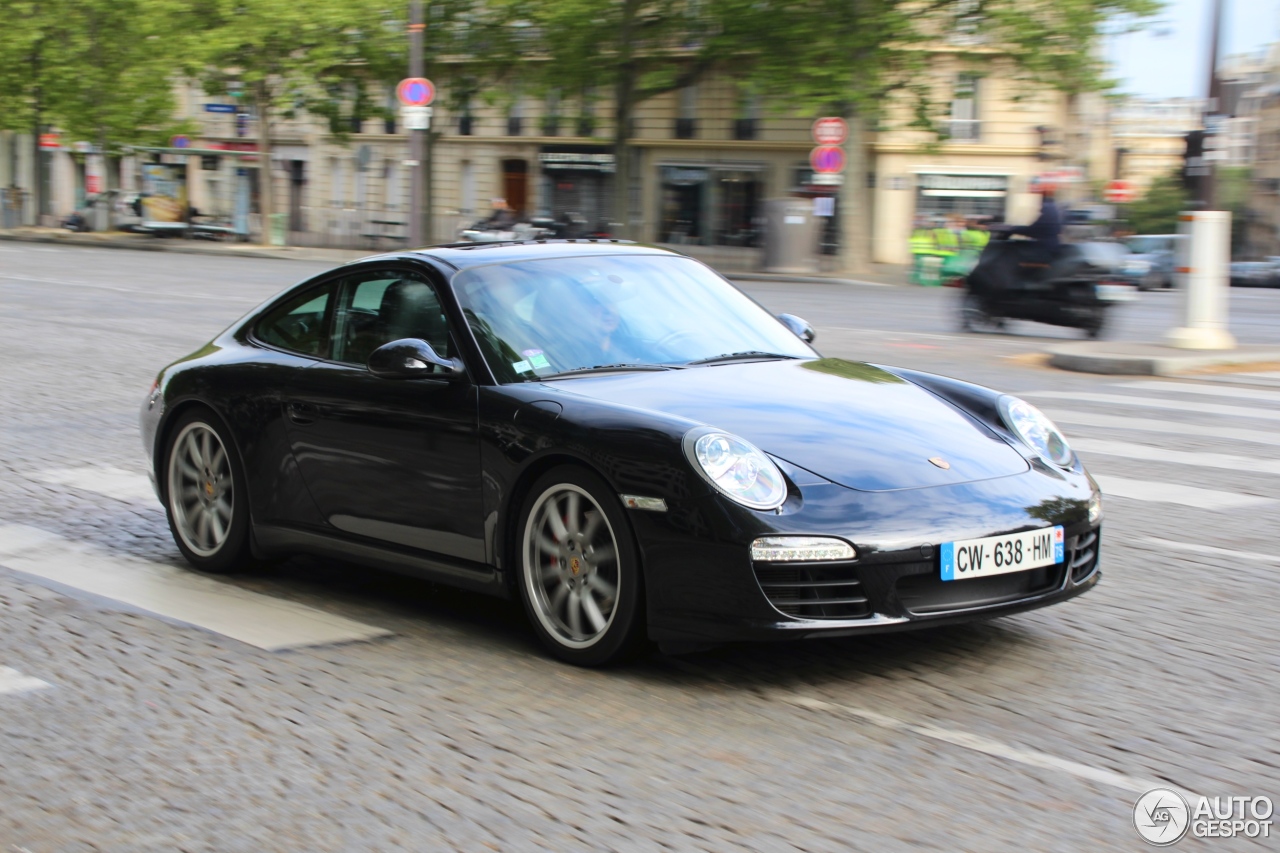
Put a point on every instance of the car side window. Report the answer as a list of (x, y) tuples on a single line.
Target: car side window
[(380, 307), (299, 324)]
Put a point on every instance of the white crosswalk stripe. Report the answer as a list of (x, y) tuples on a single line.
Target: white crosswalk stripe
[(1154, 403), (1097, 419), (12, 681), (1180, 457), (112, 482), (1174, 493), (1205, 390), (177, 594)]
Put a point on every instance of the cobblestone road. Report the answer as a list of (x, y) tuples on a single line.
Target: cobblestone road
[(120, 731)]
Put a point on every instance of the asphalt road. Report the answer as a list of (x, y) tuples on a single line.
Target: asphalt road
[(124, 731)]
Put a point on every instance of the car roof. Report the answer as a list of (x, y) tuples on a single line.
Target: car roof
[(463, 255)]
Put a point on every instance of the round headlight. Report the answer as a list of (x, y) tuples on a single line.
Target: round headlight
[(736, 468), (1036, 431)]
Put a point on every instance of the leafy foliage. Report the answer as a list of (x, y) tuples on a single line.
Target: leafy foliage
[(1156, 212)]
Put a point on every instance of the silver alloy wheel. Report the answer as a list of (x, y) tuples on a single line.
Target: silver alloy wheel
[(201, 490), (570, 566)]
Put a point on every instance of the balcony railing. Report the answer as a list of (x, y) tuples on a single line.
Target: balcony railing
[(964, 130)]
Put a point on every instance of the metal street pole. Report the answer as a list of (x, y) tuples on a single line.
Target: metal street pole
[(1208, 182), (416, 137)]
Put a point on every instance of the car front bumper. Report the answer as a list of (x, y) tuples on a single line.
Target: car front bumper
[(703, 587)]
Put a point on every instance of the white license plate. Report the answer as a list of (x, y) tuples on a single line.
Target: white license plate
[(996, 555)]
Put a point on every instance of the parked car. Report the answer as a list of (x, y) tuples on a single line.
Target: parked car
[(1153, 260), (620, 439), (1254, 274)]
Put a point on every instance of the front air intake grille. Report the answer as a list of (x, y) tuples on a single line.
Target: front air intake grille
[(1084, 557), (817, 591), (926, 594)]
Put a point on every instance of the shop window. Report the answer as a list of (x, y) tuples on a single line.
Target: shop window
[(701, 206)]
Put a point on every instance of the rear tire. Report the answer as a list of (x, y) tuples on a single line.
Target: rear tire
[(579, 570), (205, 497)]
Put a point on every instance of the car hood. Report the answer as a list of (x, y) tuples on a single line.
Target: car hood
[(852, 423)]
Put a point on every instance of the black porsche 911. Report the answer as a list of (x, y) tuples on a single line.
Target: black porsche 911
[(622, 439)]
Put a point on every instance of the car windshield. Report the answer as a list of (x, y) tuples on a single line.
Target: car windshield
[(535, 319)]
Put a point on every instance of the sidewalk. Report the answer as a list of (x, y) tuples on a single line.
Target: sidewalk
[(880, 274), (1148, 359)]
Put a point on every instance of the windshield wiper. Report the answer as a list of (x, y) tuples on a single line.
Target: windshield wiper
[(606, 368), (740, 356)]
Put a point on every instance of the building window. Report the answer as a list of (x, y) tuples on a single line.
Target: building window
[(964, 125), (686, 120), (551, 116), (392, 107), (465, 124), (515, 118), (746, 125), (710, 206)]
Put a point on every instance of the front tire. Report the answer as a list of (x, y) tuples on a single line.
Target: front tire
[(579, 570), (204, 497)]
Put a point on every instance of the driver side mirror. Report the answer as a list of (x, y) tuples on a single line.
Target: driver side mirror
[(799, 327), (411, 358)]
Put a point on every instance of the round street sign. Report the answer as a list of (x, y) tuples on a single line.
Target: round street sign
[(415, 91), (1119, 192), (827, 159), (830, 131), (179, 141)]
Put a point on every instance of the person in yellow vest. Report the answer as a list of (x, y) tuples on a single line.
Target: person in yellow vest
[(923, 250), (975, 236), (947, 238)]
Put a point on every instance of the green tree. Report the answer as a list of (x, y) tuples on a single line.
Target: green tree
[(98, 70), (855, 58), (1157, 211), (287, 57)]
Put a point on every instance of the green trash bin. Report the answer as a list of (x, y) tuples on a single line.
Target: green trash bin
[(958, 265), (278, 223), (927, 270)]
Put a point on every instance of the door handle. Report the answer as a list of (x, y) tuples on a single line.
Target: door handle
[(302, 413)]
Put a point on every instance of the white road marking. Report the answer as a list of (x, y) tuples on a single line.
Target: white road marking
[(32, 279), (1252, 556), (987, 746), (1173, 493), (1207, 390), (177, 594), (12, 681), (1151, 403), (1062, 416), (1180, 457), (112, 482)]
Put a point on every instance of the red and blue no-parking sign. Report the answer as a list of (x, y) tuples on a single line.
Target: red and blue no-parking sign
[(827, 159), (415, 91)]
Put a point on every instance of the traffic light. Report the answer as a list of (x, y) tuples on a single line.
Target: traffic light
[(1194, 166)]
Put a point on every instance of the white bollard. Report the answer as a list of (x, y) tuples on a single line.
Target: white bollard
[(1202, 264)]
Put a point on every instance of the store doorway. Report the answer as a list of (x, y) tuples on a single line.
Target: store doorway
[(515, 185)]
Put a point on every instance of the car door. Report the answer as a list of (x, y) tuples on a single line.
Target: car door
[(395, 460)]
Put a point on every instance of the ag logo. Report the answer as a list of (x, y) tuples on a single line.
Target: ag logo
[(1161, 816)]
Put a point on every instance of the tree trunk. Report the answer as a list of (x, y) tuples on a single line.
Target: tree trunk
[(622, 158), (855, 202), (266, 182)]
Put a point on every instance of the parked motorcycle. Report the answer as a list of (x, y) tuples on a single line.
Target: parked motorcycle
[(1015, 280)]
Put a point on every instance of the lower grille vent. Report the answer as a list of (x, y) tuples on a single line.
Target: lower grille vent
[(1084, 559), (828, 591)]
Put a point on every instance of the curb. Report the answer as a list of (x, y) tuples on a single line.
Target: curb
[(185, 247), (1156, 361)]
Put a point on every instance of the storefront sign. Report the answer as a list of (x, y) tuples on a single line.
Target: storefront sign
[(934, 184), (576, 161)]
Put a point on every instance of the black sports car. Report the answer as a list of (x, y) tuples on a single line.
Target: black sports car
[(621, 438)]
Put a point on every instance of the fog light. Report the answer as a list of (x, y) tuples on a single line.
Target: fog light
[(1095, 507), (799, 549)]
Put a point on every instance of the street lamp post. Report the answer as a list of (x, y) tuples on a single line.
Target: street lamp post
[(416, 137)]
